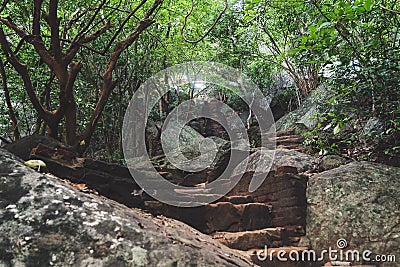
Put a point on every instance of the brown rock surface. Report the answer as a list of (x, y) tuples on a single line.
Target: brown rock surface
[(44, 222)]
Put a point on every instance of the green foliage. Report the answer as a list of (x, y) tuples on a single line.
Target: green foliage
[(355, 43)]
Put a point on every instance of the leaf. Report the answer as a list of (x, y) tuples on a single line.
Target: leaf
[(327, 127), (80, 186), (33, 163), (368, 5), (313, 32), (336, 130), (326, 24)]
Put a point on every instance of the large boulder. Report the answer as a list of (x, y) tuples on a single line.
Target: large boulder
[(307, 113), (358, 202), (280, 157), (46, 222), (23, 147)]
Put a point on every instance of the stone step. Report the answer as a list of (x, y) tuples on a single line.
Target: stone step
[(288, 146), (218, 217), (268, 257), (280, 133), (195, 197), (272, 184), (293, 139), (285, 220), (271, 237), (238, 199)]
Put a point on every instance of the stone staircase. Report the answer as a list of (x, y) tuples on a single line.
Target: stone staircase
[(272, 217), (260, 224), (286, 140)]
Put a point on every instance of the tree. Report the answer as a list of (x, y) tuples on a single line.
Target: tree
[(57, 36)]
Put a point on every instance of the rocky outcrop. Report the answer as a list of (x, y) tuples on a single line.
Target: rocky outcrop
[(329, 162), (358, 202), (23, 147), (284, 157), (306, 114), (279, 202), (274, 215), (46, 222)]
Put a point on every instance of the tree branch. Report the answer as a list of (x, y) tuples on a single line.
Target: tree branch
[(34, 40), (209, 29), (390, 10), (23, 71), (84, 29), (3, 6), (75, 45), (54, 23), (122, 25), (11, 113), (79, 40), (108, 83)]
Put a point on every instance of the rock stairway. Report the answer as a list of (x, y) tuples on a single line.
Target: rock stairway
[(286, 140), (246, 240), (274, 215)]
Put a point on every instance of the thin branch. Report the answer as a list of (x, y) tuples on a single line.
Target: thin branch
[(390, 10), (76, 44), (96, 34), (122, 25), (76, 41), (108, 82), (36, 41), (84, 29), (3, 6), (46, 95), (201, 38), (11, 113), (80, 45), (117, 9), (340, 32), (23, 71), (54, 23), (19, 46)]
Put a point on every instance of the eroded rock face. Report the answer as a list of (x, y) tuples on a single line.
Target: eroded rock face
[(306, 113), (23, 147), (359, 202), (44, 221), (330, 162), (280, 157)]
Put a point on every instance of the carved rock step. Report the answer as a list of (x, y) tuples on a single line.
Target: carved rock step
[(269, 257), (284, 140), (289, 146), (218, 217), (271, 237), (280, 133)]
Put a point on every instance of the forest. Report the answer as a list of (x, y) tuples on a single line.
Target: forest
[(69, 69), (199, 133)]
